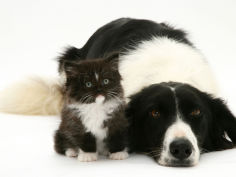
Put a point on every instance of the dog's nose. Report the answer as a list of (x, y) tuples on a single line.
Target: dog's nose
[(181, 149)]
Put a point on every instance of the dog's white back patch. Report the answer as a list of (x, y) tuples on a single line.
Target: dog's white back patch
[(162, 60)]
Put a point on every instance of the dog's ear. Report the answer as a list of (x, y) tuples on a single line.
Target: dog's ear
[(223, 124), (135, 123), (134, 106)]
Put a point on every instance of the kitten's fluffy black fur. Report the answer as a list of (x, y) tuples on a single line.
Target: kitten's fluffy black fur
[(90, 86)]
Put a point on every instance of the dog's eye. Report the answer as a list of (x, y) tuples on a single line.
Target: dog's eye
[(155, 114), (195, 112)]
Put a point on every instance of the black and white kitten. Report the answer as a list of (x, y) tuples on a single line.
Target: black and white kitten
[(93, 116)]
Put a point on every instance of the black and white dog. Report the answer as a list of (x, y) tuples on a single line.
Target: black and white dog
[(173, 110), (173, 105)]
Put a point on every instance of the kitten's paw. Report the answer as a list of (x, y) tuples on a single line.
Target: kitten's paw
[(119, 155), (87, 156), (71, 152)]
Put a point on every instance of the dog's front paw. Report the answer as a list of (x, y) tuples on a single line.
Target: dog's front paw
[(119, 155), (87, 156)]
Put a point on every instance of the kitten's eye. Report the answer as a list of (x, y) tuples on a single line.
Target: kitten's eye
[(155, 114), (88, 84), (195, 113), (106, 81)]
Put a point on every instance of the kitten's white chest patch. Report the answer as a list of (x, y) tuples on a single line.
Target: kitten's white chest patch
[(93, 116)]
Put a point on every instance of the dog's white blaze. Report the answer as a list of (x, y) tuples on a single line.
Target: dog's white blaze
[(93, 116), (179, 129), (161, 60)]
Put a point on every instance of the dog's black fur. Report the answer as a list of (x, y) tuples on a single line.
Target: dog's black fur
[(119, 36)]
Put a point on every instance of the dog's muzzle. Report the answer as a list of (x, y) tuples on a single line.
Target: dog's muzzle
[(180, 147)]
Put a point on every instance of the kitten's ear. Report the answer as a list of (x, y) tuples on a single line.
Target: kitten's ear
[(71, 69), (70, 55), (113, 60)]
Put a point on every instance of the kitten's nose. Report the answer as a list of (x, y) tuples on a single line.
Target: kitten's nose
[(100, 99)]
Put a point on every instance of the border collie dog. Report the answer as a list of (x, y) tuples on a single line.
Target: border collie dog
[(173, 103), (171, 93)]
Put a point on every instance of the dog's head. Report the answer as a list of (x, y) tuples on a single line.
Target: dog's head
[(175, 122)]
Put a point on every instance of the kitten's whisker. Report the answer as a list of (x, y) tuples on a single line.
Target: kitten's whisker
[(85, 97), (115, 93), (89, 99), (113, 96)]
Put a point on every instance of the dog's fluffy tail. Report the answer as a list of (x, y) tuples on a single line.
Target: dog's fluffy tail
[(34, 96)]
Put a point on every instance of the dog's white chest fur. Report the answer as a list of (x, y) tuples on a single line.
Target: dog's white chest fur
[(93, 116)]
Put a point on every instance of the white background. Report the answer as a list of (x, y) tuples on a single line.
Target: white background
[(32, 35)]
